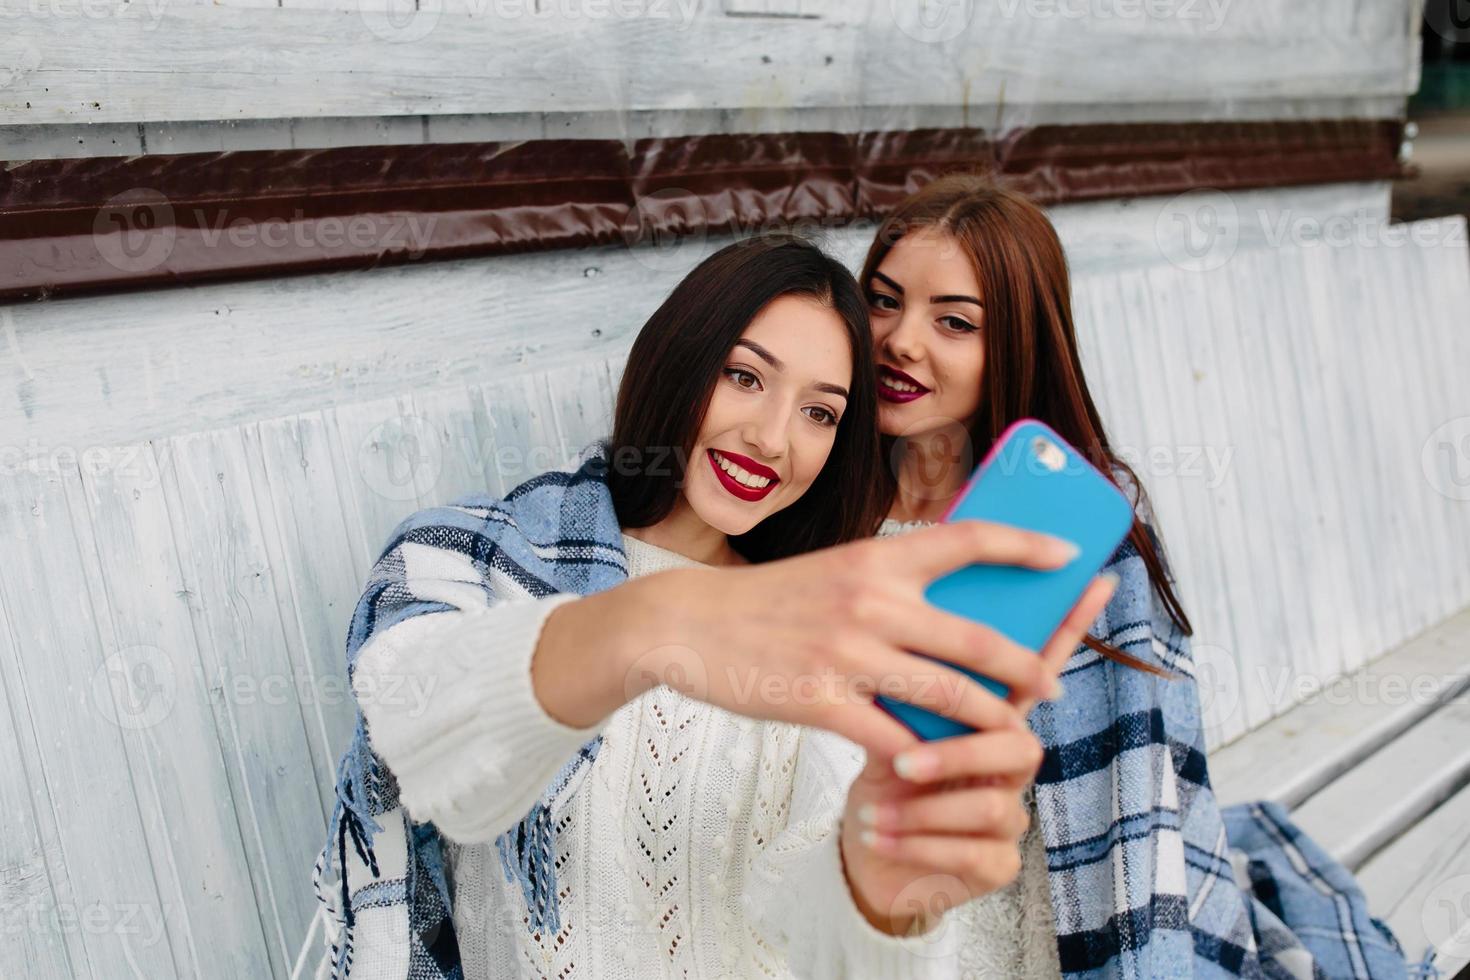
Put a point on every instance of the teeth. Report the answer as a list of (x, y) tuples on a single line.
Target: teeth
[(897, 385), (741, 476)]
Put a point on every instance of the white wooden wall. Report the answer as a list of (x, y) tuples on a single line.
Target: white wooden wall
[(105, 77), (196, 480)]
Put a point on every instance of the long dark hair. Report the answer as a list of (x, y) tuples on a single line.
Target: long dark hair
[(671, 374), (1031, 363)]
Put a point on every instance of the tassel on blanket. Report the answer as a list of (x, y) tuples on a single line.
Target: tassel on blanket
[(528, 855)]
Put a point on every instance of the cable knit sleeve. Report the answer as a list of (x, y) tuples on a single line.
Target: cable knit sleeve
[(798, 894), (448, 699)]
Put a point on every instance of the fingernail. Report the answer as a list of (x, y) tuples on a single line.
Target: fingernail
[(869, 838), (868, 813), (875, 841), (915, 765), (1066, 550), (1111, 577), (1057, 689)]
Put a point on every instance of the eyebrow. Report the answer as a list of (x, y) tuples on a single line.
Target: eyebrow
[(949, 298), (775, 362)]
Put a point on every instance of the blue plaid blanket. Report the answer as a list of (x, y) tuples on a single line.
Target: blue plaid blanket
[(1144, 880)]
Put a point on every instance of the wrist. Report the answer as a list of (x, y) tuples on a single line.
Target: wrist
[(887, 924)]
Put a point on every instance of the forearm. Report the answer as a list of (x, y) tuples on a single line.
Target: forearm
[(450, 708), (600, 652)]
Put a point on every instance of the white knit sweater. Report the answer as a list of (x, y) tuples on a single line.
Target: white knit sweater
[(698, 844)]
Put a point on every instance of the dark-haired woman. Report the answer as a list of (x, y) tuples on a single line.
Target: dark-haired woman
[(1126, 871), (651, 682)]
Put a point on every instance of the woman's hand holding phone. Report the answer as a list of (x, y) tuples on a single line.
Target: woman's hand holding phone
[(915, 846), (813, 638)]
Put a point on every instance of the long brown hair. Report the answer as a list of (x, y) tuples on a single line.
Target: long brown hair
[(670, 377), (1031, 366)]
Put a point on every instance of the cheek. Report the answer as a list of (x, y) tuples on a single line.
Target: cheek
[(810, 453)]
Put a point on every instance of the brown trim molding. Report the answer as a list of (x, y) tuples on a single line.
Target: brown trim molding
[(108, 223)]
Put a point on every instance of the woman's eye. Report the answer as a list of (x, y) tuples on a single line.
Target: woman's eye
[(958, 324), (737, 373), (882, 302), (827, 418)]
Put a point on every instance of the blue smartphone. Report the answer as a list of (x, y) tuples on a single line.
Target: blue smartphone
[(1031, 479)]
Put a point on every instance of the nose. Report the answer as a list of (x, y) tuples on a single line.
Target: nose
[(902, 342), (767, 432)]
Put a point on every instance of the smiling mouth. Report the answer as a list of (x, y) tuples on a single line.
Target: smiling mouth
[(742, 476), (895, 386)]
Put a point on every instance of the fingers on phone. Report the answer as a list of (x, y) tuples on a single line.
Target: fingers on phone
[(942, 548), (986, 753), (968, 810), (868, 725), (980, 648), (987, 862)]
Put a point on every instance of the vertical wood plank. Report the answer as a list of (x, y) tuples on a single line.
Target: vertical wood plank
[(1193, 544), (324, 576), (37, 938), (1196, 301), (72, 678), (257, 692), (188, 807)]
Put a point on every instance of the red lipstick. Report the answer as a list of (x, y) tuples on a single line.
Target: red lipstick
[(889, 395), (736, 488)]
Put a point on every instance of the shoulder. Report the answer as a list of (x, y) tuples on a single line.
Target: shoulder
[(569, 502)]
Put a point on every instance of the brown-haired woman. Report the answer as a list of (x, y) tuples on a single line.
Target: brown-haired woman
[(651, 680), (1126, 870)]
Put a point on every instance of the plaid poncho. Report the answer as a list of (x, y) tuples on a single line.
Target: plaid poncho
[(1143, 881)]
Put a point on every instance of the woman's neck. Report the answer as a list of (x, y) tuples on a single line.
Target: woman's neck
[(932, 469), (684, 533)]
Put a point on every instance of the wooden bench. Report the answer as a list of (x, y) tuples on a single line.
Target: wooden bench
[(1376, 768)]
